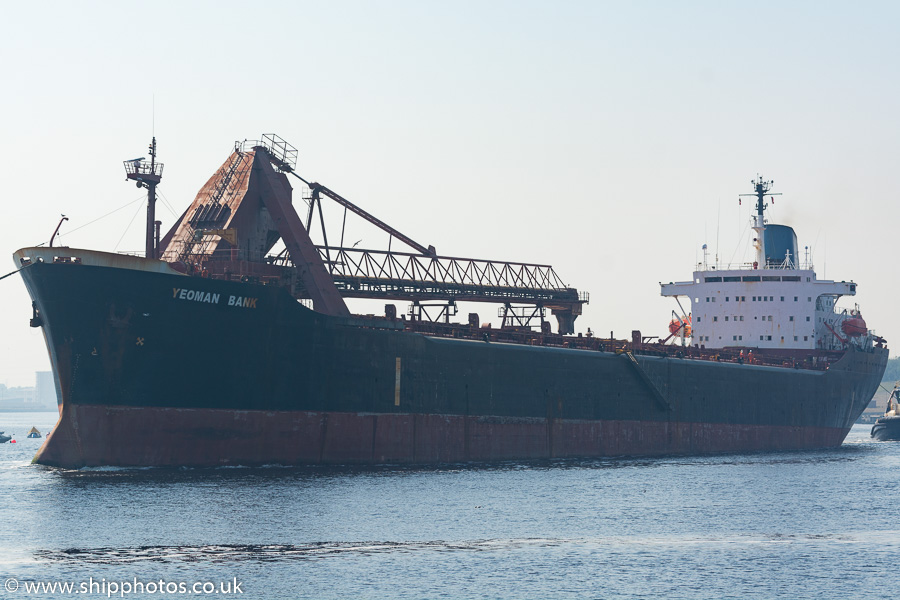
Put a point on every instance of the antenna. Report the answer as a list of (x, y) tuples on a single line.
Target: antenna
[(718, 223), (761, 188)]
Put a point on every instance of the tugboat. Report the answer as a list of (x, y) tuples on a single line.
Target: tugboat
[(888, 427)]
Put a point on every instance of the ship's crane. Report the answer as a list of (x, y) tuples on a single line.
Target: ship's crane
[(250, 195)]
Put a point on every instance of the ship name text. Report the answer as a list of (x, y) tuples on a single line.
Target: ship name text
[(212, 298)]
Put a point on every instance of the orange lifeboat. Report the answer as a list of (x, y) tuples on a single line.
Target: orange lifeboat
[(675, 326), (854, 326)]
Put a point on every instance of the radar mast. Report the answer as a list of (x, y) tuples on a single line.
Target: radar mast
[(761, 188), (148, 175)]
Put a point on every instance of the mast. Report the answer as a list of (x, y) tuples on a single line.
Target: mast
[(150, 240), (147, 175), (760, 189)]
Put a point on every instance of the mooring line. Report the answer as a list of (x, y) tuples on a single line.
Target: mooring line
[(17, 270)]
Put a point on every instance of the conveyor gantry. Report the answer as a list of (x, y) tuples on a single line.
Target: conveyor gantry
[(256, 211)]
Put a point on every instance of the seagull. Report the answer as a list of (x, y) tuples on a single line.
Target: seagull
[(356, 243)]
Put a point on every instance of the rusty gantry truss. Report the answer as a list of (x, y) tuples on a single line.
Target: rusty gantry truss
[(245, 208)]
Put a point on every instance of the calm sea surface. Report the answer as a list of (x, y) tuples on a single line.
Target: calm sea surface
[(789, 525)]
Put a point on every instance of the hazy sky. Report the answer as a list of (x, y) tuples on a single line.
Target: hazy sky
[(609, 139)]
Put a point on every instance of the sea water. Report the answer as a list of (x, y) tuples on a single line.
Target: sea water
[(818, 524)]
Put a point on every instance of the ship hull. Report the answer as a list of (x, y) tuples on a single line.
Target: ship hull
[(157, 368), (886, 429), (90, 435)]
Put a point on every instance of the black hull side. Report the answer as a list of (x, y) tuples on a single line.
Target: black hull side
[(886, 429), (130, 339)]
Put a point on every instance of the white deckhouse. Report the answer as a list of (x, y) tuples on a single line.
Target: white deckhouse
[(774, 302)]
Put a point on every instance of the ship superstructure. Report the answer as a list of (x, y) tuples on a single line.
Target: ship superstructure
[(774, 302)]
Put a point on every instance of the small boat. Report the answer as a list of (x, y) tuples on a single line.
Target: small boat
[(888, 426), (34, 433), (4, 438)]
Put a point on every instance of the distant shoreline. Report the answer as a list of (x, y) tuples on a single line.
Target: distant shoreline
[(22, 410)]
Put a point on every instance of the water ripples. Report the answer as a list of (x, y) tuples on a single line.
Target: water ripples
[(217, 553)]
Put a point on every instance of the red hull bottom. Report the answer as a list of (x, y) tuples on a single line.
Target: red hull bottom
[(125, 436)]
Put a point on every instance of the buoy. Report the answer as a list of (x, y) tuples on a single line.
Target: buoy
[(12, 441)]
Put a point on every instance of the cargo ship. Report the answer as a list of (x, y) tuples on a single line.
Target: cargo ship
[(230, 342)]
